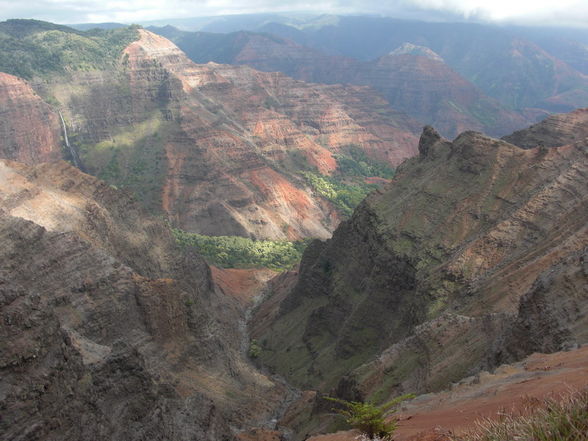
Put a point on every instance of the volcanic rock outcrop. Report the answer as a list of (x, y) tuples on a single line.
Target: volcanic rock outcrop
[(475, 255), (108, 331)]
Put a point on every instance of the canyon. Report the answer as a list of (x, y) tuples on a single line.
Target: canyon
[(109, 330), (452, 279), (413, 79), (454, 76)]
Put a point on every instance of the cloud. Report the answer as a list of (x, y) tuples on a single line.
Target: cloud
[(568, 12)]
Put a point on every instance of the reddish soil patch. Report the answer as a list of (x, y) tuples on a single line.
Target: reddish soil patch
[(243, 284)]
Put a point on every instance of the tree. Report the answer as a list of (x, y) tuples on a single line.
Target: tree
[(370, 419)]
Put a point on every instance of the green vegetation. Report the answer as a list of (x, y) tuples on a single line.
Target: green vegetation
[(370, 419), (353, 161), (348, 187), (344, 196), (254, 349), (240, 252), (30, 48), (132, 159), (565, 419)]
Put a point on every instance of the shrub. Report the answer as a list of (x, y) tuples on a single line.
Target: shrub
[(370, 419), (254, 349), (344, 196)]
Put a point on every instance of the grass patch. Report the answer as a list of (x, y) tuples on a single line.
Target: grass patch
[(241, 252), (564, 419)]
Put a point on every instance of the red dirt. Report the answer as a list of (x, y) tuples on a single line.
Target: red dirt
[(242, 284)]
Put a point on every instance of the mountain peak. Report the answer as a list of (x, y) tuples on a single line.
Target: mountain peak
[(413, 49)]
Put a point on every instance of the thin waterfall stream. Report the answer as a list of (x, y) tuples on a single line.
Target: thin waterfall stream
[(72, 151)]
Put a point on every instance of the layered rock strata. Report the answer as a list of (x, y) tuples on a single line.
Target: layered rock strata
[(219, 149), (413, 79)]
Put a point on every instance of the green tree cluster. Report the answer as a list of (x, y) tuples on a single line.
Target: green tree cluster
[(353, 161), (344, 196), (241, 252)]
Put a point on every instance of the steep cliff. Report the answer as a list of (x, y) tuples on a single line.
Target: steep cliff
[(29, 127), (108, 331), (474, 255)]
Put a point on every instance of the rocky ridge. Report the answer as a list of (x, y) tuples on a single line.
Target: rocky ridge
[(473, 256), (554, 131)]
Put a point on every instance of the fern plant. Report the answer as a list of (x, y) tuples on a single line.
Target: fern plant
[(371, 420)]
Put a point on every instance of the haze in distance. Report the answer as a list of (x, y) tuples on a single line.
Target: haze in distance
[(572, 13)]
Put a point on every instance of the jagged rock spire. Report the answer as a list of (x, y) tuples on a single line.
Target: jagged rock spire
[(428, 139)]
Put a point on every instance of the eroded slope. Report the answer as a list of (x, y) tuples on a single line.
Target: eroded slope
[(29, 128), (108, 330)]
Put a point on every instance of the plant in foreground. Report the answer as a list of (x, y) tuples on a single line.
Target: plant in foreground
[(369, 419)]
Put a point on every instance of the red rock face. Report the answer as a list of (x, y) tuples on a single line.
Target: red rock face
[(509, 390), (237, 131), (29, 128)]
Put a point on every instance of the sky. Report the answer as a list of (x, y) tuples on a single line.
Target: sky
[(544, 12)]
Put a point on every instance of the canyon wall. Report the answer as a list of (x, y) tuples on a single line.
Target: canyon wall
[(474, 255), (109, 331)]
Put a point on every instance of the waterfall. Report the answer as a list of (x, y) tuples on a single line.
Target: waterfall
[(74, 154)]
